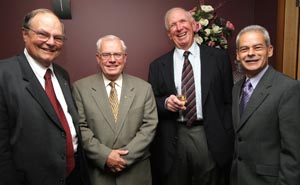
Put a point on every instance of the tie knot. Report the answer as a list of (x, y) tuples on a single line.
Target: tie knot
[(48, 74), (247, 84), (112, 84), (186, 54)]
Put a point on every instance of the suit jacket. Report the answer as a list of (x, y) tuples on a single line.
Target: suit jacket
[(133, 131), (216, 85), (267, 145), (32, 139)]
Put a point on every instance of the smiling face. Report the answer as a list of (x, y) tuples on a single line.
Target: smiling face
[(114, 65), (43, 51), (253, 52), (181, 28)]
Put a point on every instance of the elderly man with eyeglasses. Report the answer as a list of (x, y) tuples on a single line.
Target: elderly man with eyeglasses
[(118, 119), (40, 141)]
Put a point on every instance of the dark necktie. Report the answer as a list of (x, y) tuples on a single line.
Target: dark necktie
[(62, 118), (187, 82), (245, 95), (113, 99)]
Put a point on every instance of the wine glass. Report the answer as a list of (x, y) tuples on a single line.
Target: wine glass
[(181, 95)]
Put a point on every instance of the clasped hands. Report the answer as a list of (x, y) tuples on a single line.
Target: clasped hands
[(115, 163), (174, 104)]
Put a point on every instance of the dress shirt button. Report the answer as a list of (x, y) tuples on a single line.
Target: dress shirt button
[(61, 181)]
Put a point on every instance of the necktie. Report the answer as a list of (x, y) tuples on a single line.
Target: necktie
[(187, 82), (62, 118), (245, 95), (113, 99)]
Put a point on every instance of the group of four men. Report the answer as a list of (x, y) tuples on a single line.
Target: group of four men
[(101, 130)]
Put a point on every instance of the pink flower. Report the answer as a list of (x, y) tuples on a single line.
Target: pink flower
[(211, 43), (229, 25)]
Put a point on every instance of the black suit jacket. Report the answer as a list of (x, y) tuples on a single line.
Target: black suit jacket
[(32, 140), (216, 84)]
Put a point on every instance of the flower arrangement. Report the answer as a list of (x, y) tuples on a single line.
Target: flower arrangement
[(212, 30)]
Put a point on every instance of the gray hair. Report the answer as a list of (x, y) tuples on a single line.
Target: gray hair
[(110, 37), (29, 16), (167, 15), (254, 28)]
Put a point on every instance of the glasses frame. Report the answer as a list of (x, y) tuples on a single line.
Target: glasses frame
[(106, 56), (45, 36)]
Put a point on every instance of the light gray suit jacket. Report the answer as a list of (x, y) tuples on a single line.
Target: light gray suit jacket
[(267, 144), (134, 130)]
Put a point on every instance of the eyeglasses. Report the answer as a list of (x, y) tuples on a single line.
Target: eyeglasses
[(45, 36), (106, 56)]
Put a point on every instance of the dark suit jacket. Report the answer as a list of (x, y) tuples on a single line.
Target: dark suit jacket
[(216, 84), (32, 140), (267, 145)]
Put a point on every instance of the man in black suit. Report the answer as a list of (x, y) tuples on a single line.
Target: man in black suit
[(266, 116), (200, 150), (33, 138)]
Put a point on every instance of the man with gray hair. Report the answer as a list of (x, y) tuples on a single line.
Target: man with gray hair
[(266, 119), (118, 119)]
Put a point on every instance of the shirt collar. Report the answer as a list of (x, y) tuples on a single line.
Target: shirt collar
[(192, 50), (254, 80), (118, 82), (37, 68)]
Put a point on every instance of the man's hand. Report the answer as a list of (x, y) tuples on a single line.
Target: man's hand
[(174, 104), (115, 162)]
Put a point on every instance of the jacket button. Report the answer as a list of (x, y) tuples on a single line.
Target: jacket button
[(239, 158), (239, 139), (62, 181)]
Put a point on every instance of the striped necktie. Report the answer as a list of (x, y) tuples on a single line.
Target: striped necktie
[(113, 99), (187, 82)]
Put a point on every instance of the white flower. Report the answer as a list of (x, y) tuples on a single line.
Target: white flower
[(207, 8), (207, 32), (198, 39), (203, 22), (216, 29)]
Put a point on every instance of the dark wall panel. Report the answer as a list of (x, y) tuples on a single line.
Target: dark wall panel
[(138, 22)]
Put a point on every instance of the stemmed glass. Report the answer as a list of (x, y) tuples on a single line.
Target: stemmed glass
[(181, 95)]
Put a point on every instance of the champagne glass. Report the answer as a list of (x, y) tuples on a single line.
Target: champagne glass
[(181, 95)]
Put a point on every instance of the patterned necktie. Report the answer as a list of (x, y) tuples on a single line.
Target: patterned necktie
[(187, 82), (113, 99), (62, 118), (245, 95)]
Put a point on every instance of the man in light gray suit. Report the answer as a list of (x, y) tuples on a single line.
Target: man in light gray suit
[(116, 136), (267, 126)]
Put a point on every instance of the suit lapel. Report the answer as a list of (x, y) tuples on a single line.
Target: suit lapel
[(36, 90), (258, 96), (236, 91), (127, 96), (205, 72), (168, 72), (65, 87), (99, 94)]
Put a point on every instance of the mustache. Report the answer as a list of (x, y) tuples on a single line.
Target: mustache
[(251, 59)]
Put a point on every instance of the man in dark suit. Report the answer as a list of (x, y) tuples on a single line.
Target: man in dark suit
[(266, 107), (117, 122), (33, 139), (197, 151)]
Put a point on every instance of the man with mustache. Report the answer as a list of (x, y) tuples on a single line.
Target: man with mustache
[(197, 151), (266, 119), (40, 142)]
